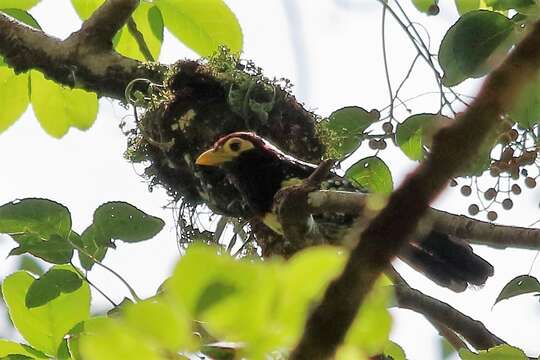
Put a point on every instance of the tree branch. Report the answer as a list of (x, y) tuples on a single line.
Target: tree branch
[(85, 59), (389, 230), (472, 230), (473, 331)]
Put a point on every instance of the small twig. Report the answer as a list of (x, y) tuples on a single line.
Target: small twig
[(99, 263), (85, 277)]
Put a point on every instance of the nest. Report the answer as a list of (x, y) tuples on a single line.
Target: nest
[(198, 103)]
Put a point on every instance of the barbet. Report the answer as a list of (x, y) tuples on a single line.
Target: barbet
[(259, 170)]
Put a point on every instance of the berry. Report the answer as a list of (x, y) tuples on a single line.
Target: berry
[(474, 209), (492, 216), (507, 204), (433, 10), (381, 144), (530, 182), (516, 189), (387, 127), (466, 190), (373, 144), (453, 183), (490, 194)]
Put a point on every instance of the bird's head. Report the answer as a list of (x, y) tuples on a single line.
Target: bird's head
[(232, 147)]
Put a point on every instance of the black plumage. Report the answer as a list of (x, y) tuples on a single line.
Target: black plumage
[(259, 170)]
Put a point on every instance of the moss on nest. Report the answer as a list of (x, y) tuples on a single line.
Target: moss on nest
[(198, 103)]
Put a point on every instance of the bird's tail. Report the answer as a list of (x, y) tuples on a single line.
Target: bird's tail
[(448, 261)]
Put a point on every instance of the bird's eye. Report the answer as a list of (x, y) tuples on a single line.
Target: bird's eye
[(234, 146)]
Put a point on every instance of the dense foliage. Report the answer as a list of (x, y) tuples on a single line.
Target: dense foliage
[(239, 305)]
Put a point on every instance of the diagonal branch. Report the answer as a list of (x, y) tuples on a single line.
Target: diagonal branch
[(389, 230), (85, 59)]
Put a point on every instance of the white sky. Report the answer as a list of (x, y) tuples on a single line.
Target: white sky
[(331, 50)]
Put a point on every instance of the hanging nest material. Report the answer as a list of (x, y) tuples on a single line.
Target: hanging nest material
[(202, 101)]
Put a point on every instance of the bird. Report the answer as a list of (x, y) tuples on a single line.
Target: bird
[(258, 170)]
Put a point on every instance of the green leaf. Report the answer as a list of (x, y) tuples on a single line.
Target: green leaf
[(425, 5), (40, 226), (394, 351), (226, 295), (373, 174), (18, 4), (149, 24), (415, 133), (22, 16), (42, 217), (58, 108), (109, 339), (203, 26), (28, 263), (85, 8), (526, 108), (501, 352), (464, 6), (91, 246), (321, 264), (122, 221), (174, 330), (470, 42), (519, 285), (10, 348), (51, 285), (13, 96), (348, 124), (44, 327), (371, 327), (510, 4)]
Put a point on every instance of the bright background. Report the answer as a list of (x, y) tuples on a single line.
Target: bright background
[(331, 50)]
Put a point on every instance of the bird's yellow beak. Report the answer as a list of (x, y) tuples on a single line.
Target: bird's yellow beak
[(213, 157)]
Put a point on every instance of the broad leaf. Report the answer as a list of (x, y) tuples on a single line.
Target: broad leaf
[(149, 24), (13, 96), (501, 352), (109, 339), (526, 108), (22, 16), (523, 284), (202, 25), (122, 221), (18, 4), (90, 245), (348, 124), (29, 263), (40, 226), (51, 285), (10, 348), (371, 328), (85, 8), (174, 330), (468, 45), (425, 5), (44, 327), (372, 173), (58, 108), (464, 6), (415, 134), (510, 4)]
